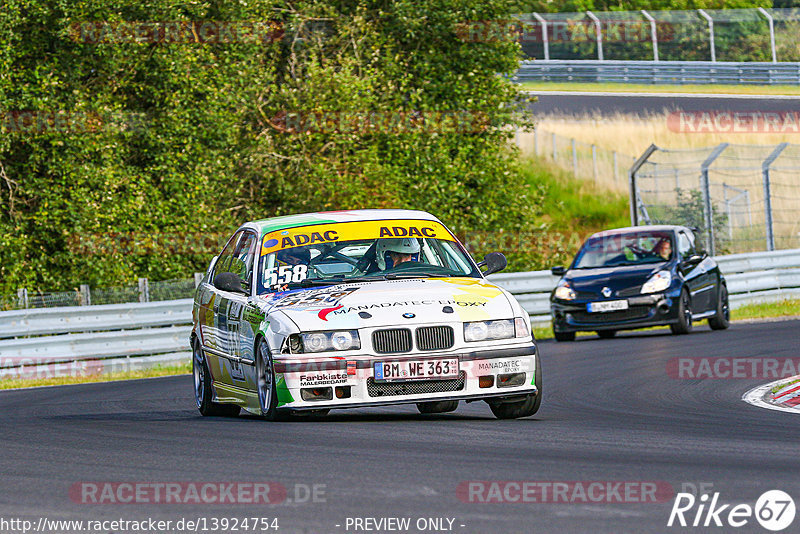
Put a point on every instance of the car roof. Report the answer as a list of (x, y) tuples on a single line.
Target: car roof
[(327, 217), (647, 228)]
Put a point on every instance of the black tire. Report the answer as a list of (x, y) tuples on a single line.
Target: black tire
[(722, 319), (606, 334), (523, 408), (437, 406), (563, 336), (265, 384), (684, 324), (202, 387)]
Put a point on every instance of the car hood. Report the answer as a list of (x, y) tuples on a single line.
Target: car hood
[(391, 302), (618, 279)]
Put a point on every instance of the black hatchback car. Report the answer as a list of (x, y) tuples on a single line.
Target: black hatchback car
[(638, 277)]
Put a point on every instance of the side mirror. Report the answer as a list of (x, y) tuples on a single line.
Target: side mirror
[(229, 282), (494, 262), (558, 270), (694, 260)]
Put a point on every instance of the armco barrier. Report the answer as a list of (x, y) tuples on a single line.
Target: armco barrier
[(162, 328)]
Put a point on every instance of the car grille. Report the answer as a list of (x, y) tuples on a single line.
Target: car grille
[(435, 337), (417, 387), (634, 312), (391, 341)]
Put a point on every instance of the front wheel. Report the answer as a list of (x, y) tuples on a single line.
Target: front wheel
[(684, 324), (523, 408), (202, 387), (722, 319), (267, 390)]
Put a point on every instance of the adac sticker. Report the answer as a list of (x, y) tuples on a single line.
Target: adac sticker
[(350, 231)]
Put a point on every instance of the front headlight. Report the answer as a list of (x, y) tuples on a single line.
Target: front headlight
[(658, 282), (483, 330), (325, 341), (564, 291)]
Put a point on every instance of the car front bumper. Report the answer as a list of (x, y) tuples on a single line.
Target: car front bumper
[(643, 311), (363, 390)]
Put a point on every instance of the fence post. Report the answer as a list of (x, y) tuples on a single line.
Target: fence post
[(768, 222), (198, 277), (708, 209), (536, 141), (616, 169), (632, 182), (22, 298), (574, 158), (710, 33), (653, 33), (771, 33), (555, 158), (144, 290), (598, 33), (85, 295), (545, 40), (594, 163)]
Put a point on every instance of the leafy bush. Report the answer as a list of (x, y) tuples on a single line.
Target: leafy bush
[(166, 140)]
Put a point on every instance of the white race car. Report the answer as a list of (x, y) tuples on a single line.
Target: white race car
[(301, 314)]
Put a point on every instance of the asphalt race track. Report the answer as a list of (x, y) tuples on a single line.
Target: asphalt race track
[(609, 104), (610, 413)]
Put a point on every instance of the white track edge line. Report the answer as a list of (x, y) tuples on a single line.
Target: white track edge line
[(664, 95), (755, 397)]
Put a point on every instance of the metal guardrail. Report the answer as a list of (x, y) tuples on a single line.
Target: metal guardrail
[(159, 331), (659, 72), (69, 319)]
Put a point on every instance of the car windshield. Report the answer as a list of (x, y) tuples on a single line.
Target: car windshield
[(360, 251), (632, 248)]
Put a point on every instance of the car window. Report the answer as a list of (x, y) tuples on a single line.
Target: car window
[(224, 259), (633, 248), (685, 246), (241, 261)]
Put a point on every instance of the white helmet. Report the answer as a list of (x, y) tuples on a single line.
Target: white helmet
[(401, 245)]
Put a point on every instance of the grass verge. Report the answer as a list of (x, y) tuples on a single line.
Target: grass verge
[(784, 308), (161, 370), (648, 88)]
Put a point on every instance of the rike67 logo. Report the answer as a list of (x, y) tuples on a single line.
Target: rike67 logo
[(774, 510)]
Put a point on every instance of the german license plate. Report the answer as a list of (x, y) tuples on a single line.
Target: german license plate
[(607, 306), (442, 369)]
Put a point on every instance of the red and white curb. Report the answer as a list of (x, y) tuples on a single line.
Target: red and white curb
[(785, 399)]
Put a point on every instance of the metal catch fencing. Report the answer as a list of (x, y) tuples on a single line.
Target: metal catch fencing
[(585, 161), (742, 198), (730, 35), (144, 291)]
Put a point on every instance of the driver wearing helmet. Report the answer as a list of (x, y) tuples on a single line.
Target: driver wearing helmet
[(392, 252), (294, 256)]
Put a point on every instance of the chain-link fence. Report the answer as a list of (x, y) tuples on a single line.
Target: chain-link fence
[(586, 161), (690, 35), (144, 291), (742, 198)]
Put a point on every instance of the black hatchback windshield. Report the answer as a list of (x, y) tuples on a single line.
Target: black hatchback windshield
[(632, 248)]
